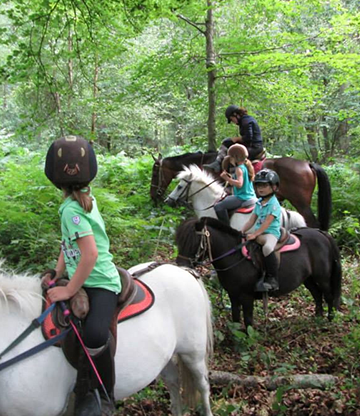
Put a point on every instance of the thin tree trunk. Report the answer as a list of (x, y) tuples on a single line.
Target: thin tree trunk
[(70, 62), (95, 94), (4, 96), (210, 66)]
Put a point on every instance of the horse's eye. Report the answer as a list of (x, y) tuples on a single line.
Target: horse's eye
[(180, 187)]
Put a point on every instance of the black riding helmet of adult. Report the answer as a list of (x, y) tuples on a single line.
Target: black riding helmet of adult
[(230, 111), (267, 176), (71, 162)]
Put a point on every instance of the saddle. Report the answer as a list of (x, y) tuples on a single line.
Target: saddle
[(135, 298), (287, 242), (259, 161)]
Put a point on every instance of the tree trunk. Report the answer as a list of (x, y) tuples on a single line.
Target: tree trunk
[(70, 62), (4, 96), (311, 138), (95, 94), (210, 66), (297, 381)]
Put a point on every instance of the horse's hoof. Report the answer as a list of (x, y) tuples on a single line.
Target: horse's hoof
[(89, 405)]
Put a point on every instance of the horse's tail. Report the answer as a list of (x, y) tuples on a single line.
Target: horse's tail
[(324, 196), (191, 395), (336, 274)]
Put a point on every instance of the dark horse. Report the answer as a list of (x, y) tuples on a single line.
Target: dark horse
[(316, 264), (298, 179)]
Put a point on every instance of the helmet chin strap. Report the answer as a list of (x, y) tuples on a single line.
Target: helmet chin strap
[(270, 194)]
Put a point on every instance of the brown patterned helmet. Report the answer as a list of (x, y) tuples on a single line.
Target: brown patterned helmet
[(227, 163), (238, 153), (70, 161)]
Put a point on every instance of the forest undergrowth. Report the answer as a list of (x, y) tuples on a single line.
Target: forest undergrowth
[(288, 341)]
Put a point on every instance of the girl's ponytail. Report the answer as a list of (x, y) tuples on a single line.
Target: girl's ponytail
[(250, 169), (82, 196)]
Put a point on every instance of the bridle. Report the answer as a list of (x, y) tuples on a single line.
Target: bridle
[(204, 250), (184, 196), (160, 191)]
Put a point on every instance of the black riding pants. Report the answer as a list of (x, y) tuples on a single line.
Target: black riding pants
[(102, 308)]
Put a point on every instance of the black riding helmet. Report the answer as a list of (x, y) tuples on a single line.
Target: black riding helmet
[(230, 111), (267, 176), (70, 162)]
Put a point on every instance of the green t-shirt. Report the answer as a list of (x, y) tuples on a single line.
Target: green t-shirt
[(76, 223)]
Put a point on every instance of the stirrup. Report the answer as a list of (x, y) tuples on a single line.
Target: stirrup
[(89, 405), (272, 284), (260, 286), (107, 408)]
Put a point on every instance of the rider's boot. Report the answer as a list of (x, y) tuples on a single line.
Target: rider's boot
[(271, 281), (87, 400), (215, 166), (104, 363), (260, 287)]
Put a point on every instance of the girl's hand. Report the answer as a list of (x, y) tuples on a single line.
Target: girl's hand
[(251, 236), (47, 277), (225, 175), (59, 293)]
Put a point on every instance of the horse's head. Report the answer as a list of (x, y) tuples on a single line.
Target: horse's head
[(180, 195), (162, 174), (187, 241), (206, 238), (156, 191), (194, 183)]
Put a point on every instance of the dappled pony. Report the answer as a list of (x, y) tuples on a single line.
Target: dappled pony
[(178, 325), (316, 264), (298, 179), (199, 188)]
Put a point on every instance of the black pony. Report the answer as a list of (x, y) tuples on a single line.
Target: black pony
[(316, 264)]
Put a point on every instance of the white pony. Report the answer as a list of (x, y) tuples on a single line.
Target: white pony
[(177, 325), (199, 188)]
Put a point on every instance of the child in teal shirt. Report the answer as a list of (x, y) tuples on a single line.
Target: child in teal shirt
[(266, 217), (241, 181)]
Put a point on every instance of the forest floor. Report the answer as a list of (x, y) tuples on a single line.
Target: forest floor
[(288, 341)]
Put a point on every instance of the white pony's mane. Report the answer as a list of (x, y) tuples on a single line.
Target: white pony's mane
[(19, 291), (195, 174)]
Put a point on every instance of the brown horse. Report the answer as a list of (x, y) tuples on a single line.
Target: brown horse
[(298, 179)]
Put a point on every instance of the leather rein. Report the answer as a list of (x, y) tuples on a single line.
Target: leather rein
[(184, 195), (204, 250)]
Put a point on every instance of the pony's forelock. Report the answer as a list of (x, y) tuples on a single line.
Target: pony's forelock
[(194, 173), (19, 291)]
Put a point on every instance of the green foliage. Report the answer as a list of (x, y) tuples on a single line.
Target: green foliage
[(29, 222), (138, 69), (345, 181)]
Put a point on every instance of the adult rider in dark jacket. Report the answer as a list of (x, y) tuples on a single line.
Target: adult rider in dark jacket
[(250, 136)]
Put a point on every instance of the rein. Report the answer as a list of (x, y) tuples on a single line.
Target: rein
[(187, 189), (36, 323), (34, 350), (205, 247)]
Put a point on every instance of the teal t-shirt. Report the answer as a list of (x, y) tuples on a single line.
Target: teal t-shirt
[(76, 223), (247, 191), (272, 207)]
